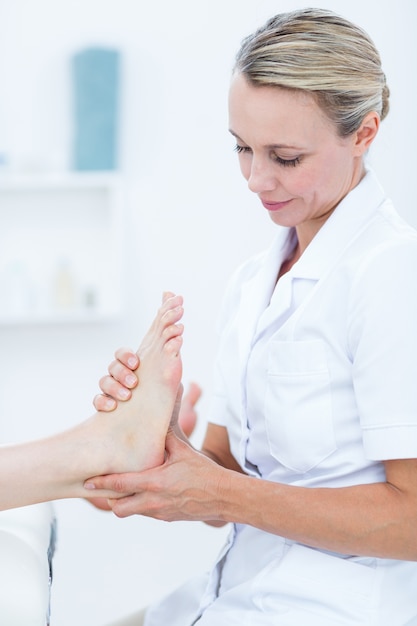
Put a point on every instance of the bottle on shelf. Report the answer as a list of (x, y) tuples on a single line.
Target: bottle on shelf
[(64, 290)]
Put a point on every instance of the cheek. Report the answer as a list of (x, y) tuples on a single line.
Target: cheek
[(301, 182), (310, 181)]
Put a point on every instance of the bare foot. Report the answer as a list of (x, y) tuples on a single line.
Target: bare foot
[(132, 437), (145, 418)]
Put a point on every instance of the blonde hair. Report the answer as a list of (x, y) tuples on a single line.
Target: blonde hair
[(320, 52)]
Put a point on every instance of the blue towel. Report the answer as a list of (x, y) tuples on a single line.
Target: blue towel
[(96, 98)]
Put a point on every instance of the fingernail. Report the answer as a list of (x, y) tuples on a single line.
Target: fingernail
[(132, 362), (130, 380), (124, 393), (110, 404), (89, 486)]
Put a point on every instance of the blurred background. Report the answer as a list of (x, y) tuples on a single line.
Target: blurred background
[(88, 246)]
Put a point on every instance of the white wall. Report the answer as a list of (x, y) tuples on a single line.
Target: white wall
[(189, 222)]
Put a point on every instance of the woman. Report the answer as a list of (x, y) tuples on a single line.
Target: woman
[(311, 445)]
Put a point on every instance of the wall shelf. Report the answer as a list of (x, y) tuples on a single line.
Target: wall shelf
[(60, 248)]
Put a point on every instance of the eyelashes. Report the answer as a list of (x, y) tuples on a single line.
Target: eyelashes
[(275, 157), (287, 162), (240, 149)]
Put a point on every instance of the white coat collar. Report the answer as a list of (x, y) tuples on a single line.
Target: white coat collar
[(353, 212), (256, 291)]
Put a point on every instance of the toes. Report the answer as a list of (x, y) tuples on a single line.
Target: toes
[(173, 346), (174, 343), (169, 304), (172, 315), (169, 319), (167, 295), (172, 331)]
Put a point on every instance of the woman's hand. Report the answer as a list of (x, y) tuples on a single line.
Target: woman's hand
[(188, 486), (124, 375), (184, 414), (117, 384)]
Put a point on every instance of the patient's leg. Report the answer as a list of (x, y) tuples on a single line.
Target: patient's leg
[(130, 438)]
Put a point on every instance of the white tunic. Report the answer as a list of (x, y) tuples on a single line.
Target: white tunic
[(316, 383)]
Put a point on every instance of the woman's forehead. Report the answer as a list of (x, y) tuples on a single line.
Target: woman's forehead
[(269, 110)]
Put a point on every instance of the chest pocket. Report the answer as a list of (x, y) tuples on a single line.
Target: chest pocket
[(298, 410)]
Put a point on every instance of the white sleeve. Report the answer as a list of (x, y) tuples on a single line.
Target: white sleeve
[(383, 343)]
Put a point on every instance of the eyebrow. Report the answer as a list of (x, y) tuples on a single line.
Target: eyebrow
[(278, 146)]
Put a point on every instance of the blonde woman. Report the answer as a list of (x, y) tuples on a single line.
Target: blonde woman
[(311, 447)]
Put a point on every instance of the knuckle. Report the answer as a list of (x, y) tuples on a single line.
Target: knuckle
[(113, 367), (103, 383), (123, 353), (111, 388), (118, 485), (117, 370)]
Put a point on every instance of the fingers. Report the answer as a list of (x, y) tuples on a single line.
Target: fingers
[(187, 416), (113, 389), (117, 384), (104, 403), (127, 357), (100, 503), (193, 394), (129, 482), (123, 374), (168, 492), (125, 507)]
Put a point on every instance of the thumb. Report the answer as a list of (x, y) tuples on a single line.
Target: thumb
[(174, 445)]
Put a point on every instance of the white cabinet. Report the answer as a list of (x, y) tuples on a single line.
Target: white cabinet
[(27, 539), (60, 248)]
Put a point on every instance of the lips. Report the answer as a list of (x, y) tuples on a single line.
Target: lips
[(275, 206)]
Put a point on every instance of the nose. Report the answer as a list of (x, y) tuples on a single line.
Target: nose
[(261, 176)]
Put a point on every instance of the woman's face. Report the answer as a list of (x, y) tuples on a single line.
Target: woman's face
[(291, 155)]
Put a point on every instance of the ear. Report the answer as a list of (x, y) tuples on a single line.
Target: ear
[(366, 133)]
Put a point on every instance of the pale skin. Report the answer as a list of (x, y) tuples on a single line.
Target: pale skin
[(273, 126), (131, 438)]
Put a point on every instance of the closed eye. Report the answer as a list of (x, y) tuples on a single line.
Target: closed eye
[(287, 162), (284, 162)]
